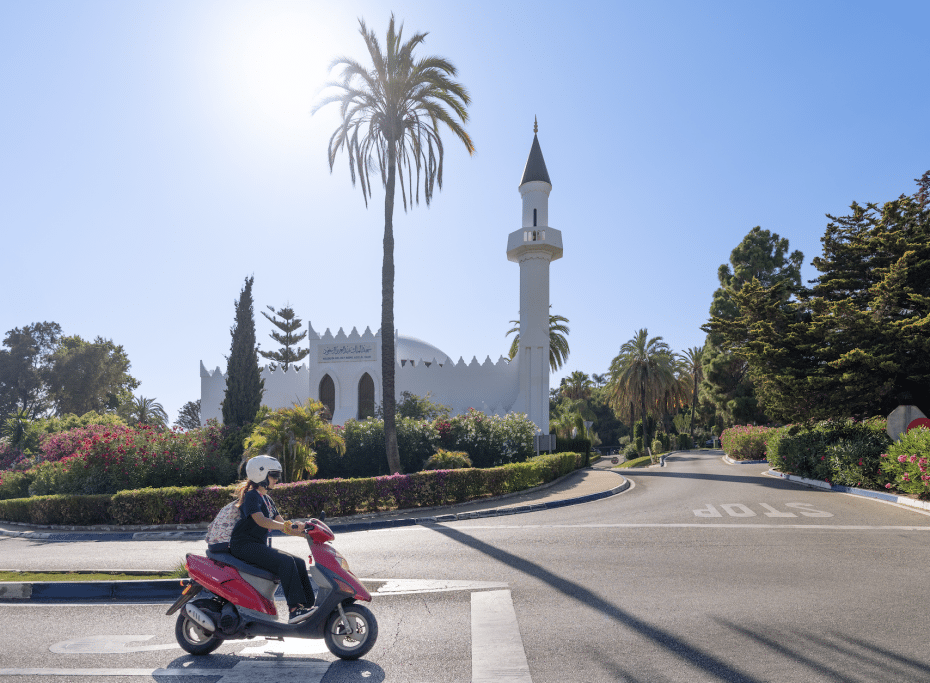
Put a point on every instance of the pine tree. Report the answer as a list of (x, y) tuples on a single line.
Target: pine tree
[(244, 386), (288, 324)]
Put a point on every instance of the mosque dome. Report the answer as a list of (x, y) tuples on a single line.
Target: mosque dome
[(413, 350)]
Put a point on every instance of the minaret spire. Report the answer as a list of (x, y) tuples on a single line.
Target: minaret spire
[(535, 126)]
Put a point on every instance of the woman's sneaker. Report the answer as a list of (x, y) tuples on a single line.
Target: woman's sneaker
[(299, 614)]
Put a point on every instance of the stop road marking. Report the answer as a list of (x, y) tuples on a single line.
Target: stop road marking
[(740, 510)]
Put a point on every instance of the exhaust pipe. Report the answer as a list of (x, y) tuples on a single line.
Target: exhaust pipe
[(199, 617)]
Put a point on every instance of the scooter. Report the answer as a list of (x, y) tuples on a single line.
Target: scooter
[(228, 599)]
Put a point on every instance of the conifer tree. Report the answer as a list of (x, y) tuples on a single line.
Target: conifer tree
[(288, 338), (244, 386)]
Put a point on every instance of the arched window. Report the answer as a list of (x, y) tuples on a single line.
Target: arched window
[(366, 397), (534, 218), (328, 394)]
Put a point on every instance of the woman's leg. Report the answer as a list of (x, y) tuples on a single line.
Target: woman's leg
[(301, 567), (279, 563)]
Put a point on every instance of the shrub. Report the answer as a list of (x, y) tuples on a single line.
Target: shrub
[(14, 484), (657, 447), (685, 443), (746, 442), (448, 460), (338, 497), (843, 452), (630, 452), (907, 463), (579, 445), (489, 440), (639, 444)]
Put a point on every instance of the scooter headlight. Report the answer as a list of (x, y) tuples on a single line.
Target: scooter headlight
[(342, 561)]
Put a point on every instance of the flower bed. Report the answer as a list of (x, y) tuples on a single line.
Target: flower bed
[(907, 463), (338, 497)]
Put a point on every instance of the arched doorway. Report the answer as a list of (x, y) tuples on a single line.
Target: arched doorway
[(328, 394), (366, 397)]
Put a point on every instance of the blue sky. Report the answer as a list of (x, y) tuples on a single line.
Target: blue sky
[(157, 153)]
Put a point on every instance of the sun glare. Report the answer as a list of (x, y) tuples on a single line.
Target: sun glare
[(273, 63)]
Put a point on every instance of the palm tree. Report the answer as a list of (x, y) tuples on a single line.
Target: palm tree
[(641, 372), (692, 358), (291, 434), (577, 385), (145, 411), (390, 122), (558, 341)]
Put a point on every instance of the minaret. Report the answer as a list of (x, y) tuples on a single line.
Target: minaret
[(534, 246)]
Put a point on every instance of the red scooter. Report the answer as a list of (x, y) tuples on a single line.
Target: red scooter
[(228, 599)]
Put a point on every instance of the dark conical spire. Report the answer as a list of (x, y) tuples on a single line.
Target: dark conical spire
[(535, 164)]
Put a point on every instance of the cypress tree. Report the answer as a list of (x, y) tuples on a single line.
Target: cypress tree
[(244, 386)]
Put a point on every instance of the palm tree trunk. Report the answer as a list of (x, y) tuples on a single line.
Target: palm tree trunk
[(693, 402), (642, 394), (387, 319)]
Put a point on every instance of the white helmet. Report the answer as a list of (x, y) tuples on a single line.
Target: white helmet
[(258, 468)]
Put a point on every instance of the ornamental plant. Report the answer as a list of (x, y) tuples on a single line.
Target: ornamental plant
[(842, 452), (907, 463), (746, 442), (448, 460)]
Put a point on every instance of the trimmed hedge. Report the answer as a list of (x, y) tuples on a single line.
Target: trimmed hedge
[(338, 497)]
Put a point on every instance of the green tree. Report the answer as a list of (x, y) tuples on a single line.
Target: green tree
[(189, 416), (577, 386), (640, 373), (290, 434), (244, 385), (140, 410), (763, 257), (849, 347), (23, 363), (558, 341), (87, 376), (390, 122), (692, 359), (289, 324)]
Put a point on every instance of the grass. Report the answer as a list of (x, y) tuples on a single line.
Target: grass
[(637, 462), (179, 572)]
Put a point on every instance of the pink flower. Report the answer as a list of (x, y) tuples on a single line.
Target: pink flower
[(887, 486)]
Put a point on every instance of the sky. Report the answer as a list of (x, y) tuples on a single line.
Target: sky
[(155, 154)]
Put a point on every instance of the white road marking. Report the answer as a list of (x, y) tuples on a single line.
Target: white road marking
[(772, 512), (405, 586), (737, 510), (103, 645), (295, 647), (243, 672), (497, 653), (699, 525)]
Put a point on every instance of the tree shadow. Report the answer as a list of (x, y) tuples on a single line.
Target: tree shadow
[(835, 656), (692, 655)]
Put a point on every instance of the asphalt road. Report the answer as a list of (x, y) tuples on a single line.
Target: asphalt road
[(702, 571)]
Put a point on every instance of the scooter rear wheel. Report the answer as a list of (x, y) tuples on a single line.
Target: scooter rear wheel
[(194, 638), (363, 637)]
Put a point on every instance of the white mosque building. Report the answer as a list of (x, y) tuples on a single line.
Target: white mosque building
[(344, 370)]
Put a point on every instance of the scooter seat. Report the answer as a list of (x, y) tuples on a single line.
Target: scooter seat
[(230, 559)]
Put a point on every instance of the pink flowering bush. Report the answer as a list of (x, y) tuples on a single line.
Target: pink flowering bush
[(106, 459), (907, 463), (841, 452), (338, 497), (746, 442)]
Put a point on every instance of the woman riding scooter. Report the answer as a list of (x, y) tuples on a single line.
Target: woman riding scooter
[(249, 541)]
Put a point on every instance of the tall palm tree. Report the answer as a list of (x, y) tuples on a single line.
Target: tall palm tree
[(640, 373), (390, 124), (692, 359), (558, 341)]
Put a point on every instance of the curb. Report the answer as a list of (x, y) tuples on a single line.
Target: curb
[(193, 532), (162, 590), (852, 490), (730, 461)]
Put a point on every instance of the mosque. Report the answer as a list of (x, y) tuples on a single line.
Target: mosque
[(344, 370)]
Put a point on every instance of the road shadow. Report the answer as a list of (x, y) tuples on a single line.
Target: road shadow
[(705, 661), (834, 656), (339, 671)]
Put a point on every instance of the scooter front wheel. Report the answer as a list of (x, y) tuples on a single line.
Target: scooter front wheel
[(364, 632), (194, 638)]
